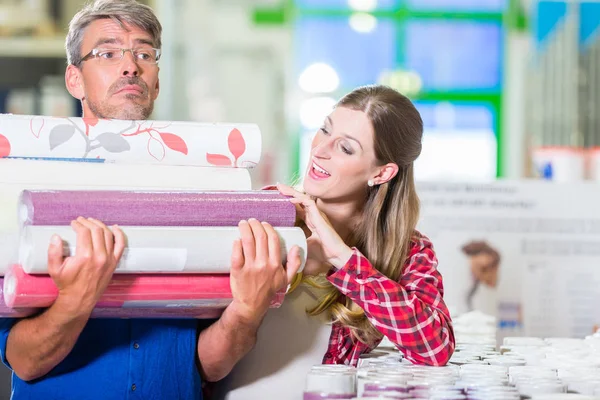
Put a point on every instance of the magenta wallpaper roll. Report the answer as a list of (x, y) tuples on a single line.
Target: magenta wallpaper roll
[(174, 291), (145, 208), (158, 313), (7, 312), (113, 312)]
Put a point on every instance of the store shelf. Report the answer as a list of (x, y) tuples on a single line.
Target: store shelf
[(46, 47)]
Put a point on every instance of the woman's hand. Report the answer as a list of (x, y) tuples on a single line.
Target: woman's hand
[(325, 246)]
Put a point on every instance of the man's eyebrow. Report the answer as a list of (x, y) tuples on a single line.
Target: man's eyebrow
[(144, 41), (106, 40)]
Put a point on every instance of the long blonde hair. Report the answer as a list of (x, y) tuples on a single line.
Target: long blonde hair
[(391, 210)]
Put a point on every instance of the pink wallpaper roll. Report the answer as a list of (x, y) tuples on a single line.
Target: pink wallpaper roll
[(22, 290), (107, 312), (143, 208), (7, 312), (157, 313)]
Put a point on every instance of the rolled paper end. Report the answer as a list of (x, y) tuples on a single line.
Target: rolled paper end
[(25, 208), (22, 290), (10, 286), (25, 249)]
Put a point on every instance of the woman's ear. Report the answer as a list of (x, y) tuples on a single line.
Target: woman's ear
[(386, 173)]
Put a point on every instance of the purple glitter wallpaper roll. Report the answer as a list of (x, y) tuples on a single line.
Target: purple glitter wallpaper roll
[(140, 208)]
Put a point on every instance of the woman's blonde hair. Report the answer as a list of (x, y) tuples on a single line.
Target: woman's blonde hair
[(391, 210)]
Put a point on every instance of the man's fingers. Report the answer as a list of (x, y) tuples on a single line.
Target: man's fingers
[(55, 255), (83, 246), (260, 241), (237, 256), (247, 237), (294, 261), (109, 241), (273, 244), (120, 242)]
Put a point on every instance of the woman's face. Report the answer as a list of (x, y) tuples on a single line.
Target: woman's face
[(342, 157), (484, 269)]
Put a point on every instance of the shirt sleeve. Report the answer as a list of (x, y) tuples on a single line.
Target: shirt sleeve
[(6, 325), (411, 312)]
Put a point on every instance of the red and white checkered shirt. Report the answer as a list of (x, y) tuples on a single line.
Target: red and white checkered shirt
[(410, 312)]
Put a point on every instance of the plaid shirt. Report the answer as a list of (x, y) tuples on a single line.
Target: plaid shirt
[(411, 312)]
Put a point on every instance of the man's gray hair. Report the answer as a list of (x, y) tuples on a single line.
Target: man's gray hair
[(121, 11)]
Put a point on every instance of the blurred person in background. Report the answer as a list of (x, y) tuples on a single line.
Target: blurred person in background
[(484, 263)]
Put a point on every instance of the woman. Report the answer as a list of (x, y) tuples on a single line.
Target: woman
[(360, 210)]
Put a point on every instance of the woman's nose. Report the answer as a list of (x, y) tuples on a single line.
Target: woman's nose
[(322, 148)]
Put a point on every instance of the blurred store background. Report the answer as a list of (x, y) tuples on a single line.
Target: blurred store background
[(506, 88), (476, 69)]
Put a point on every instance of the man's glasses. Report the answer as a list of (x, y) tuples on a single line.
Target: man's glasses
[(108, 56)]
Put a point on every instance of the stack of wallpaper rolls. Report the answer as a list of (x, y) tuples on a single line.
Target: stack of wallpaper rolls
[(178, 191)]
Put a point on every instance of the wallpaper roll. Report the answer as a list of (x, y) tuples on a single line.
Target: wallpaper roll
[(130, 142), (22, 290), (225, 208), (158, 313), (96, 176), (9, 246), (7, 312), (107, 312), (204, 250), (17, 175)]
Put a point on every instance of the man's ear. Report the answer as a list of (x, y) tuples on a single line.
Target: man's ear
[(157, 85), (74, 82), (385, 173), (157, 89)]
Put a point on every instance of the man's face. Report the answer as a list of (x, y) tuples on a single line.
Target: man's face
[(125, 89)]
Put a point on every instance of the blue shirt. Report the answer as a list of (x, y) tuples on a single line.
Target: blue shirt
[(120, 359)]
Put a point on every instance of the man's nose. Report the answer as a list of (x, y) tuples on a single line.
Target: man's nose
[(129, 66)]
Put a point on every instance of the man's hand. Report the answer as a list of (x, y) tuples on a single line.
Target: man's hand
[(257, 271), (82, 278), (38, 344)]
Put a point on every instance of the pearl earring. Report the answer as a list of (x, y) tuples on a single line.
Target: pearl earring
[(370, 183)]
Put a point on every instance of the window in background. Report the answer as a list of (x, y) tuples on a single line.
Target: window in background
[(454, 55), (358, 5), (447, 54), (459, 142), (357, 57), (458, 5)]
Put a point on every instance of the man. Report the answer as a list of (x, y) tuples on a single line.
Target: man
[(113, 48)]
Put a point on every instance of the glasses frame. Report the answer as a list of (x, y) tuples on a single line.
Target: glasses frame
[(94, 53)]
